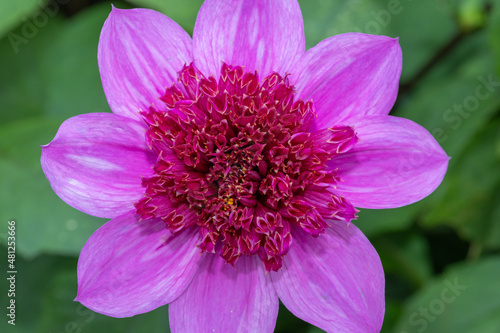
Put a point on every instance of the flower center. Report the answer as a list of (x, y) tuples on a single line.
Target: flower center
[(235, 159)]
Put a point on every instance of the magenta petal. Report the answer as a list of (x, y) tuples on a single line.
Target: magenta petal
[(395, 163), (129, 267), (263, 35), (96, 161), (334, 282), (140, 52), (224, 299), (350, 75)]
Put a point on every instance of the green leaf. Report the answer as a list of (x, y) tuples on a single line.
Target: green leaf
[(377, 221), (494, 33), (405, 254), (45, 289), (44, 222), (454, 102), (458, 97), (323, 19), (490, 238), (466, 299), (22, 91), (183, 13), (59, 313), (436, 27), (56, 72), (14, 12), (70, 69), (392, 313), (472, 14), (30, 284), (468, 200), (287, 322)]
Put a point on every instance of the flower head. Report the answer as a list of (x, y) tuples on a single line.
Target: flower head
[(231, 166), (236, 159)]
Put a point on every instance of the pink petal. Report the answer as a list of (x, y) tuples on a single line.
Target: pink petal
[(264, 35), (395, 163), (334, 282), (129, 267), (140, 53), (96, 161), (224, 299), (349, 75)]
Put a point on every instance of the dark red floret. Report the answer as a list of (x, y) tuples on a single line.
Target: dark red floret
[(236, 159)]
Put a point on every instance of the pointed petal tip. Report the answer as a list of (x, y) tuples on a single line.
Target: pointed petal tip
[(335, 282), (151, 48), (270, 35), (392, 43), (395, 42), (401, 167), (115, 10), (442, 154), (124, 270), (88, 154), (365, 73)]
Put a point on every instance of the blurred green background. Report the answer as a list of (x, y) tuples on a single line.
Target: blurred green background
[(441, 255)]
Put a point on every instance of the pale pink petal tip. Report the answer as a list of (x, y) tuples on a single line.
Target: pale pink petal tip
[(396, 163), (139, 54), (350, 75), (129, 267), (95, 162), (335, 282), (263, 35)]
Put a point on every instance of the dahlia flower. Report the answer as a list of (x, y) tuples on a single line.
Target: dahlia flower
[(231, 167)]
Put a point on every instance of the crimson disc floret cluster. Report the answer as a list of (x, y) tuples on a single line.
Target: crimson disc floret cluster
[(245, 167)]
